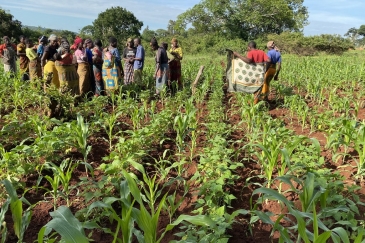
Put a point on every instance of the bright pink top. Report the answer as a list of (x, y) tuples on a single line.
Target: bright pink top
[(81, 56)]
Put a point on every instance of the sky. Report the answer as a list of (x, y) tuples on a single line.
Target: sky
[(325, 16)]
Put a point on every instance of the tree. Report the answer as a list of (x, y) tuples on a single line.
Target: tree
[(32, 34), (87, 31), (352, 33), (171, 27), (69, 35), (361, 30), (9, 26), (148, 34), (245, 19), (161, 33), (117, 22)]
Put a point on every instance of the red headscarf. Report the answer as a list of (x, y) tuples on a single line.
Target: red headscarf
[(77, 41)]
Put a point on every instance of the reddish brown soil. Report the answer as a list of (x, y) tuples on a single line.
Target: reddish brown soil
[(240, 231)]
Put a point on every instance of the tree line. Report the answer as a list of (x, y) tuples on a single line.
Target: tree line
[(210, 26)]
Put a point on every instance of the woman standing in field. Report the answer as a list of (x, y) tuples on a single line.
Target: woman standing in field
[(111, 66), (41, 46), (65, 65), (128, 57), (23, 59), (8, 54), (83, 69), (48, 62), (175, 63), (97, 52), (35, 70), (89, 45), (162, 66), (273, 69)]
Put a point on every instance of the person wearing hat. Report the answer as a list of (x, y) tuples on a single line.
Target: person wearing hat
[(128, 58), (48, 62), (42, 43), (175, 63), (273, 69), (65, 65), (83, 67), (8, 54)]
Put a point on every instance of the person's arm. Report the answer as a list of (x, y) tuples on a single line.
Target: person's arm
[(1, 51), (158, 61), (178, 53), (138, 56), (267, 62), (245, 59), (44, 58)]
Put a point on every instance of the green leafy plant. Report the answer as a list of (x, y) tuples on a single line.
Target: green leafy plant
[(21, 218), (67, 226)]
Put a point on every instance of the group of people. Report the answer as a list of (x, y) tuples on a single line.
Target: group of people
[(85, 67), (272, 60)]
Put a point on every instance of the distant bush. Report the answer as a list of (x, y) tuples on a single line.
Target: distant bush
[(297, 43), (288, 42)]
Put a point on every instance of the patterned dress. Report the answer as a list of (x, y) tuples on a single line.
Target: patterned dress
[(97, 69), (175, 65), (23, 61)]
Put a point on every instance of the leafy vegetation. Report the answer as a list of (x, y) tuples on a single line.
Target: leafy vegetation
[(189, 167)]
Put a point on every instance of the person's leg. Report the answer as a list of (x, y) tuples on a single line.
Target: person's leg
[(266, 87)]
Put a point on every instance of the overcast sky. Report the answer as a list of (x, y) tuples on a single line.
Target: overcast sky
[(325, 16)]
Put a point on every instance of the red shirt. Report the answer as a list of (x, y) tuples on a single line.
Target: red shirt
[(3, 47), (257, 56)]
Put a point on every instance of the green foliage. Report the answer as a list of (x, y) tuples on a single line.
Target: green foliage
[(9, 26), (32, 34), (66, 225), (117, 22), (297, 43), (21, 218), (244, 19)]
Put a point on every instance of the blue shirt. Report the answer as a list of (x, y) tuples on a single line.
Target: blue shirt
[(115, 53), (138, 64), (274, 56), (89, 55), (40, 50)]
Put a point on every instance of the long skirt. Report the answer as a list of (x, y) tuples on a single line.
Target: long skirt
[(161, 77), (269, 75), (35, 70), (69, 79), (128, 73), (83, 71), (51, 74), (24, 67), (97, 69), (175, 71)]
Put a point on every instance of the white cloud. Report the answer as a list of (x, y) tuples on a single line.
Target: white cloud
[(156, 12)]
